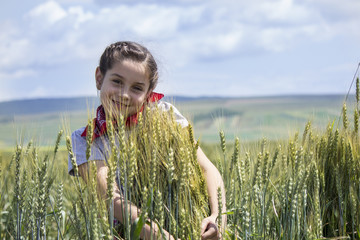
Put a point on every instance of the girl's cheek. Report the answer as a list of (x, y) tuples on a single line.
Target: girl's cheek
[(141, 101)]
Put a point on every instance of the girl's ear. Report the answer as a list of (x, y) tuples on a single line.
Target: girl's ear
[(99, 78)]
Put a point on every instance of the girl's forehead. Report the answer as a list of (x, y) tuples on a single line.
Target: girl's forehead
[(130, 66)]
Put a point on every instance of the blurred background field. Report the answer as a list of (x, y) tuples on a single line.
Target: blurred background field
[(250, 119)]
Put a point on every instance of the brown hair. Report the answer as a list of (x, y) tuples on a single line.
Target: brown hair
[(126, 50)]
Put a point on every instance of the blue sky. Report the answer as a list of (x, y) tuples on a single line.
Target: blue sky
[(204, 48)]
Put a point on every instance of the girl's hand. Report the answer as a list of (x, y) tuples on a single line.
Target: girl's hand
[(168, 236), (209, 229), (146, 233)]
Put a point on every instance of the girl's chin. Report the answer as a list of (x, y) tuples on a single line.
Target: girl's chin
[(119, 113), (115, 108)]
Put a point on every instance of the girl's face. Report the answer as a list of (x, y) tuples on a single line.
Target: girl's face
[(124, 88)]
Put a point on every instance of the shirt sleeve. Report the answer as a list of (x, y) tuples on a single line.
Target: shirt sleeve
[(79, 149), (179, 118)]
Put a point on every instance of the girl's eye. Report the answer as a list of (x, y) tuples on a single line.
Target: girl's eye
[(138, 88), (116, 81)]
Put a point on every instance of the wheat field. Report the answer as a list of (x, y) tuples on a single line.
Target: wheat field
[(305, 187)]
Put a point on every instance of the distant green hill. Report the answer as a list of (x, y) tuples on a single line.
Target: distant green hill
[(248, 118), (252, 118), (46, 105)]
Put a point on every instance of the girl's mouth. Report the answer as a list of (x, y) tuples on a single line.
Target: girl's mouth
[(120, 105)]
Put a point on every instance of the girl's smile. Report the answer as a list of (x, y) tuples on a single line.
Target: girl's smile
[(124, 88)]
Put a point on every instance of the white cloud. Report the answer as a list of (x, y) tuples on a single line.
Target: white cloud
[(80, 15), (164, 23), (286, 11), (75, 2), (14, 47), (49, 12), (193, 31), (182, 33), (278, 39), (333, 10), (146, 21)]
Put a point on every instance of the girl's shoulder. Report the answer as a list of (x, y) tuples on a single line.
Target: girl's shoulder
[(77, 133), (179, 118), (166, 106), (79, 143), (78, 137), (77, 140)]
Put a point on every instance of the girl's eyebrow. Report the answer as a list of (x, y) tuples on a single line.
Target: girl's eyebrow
[(140, 83), (117, 75)]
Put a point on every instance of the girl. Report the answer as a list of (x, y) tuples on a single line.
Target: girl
[(126, 77)]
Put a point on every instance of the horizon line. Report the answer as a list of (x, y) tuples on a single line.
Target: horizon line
[(186, 96)]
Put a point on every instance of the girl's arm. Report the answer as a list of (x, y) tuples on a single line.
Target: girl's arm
[(214, 181), (119, 204)]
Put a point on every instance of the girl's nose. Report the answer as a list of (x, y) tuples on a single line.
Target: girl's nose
[(125, 93)]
